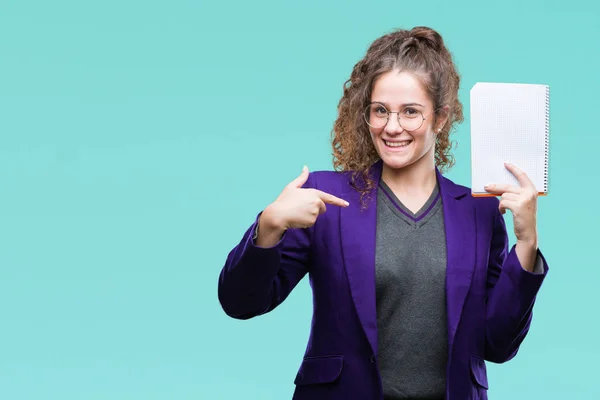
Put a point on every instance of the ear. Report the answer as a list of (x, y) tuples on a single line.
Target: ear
[(441, 119)]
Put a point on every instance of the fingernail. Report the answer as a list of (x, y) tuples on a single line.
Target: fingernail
[(488, 185), (305, 168), (346, 203)]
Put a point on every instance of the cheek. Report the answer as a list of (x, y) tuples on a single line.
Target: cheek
[(424, 135), (374, 134), (425, 139)]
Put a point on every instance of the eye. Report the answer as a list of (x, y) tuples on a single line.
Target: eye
[(379, 110), (410, 112)]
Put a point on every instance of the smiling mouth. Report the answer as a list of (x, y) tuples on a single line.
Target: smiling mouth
[(399, 144)]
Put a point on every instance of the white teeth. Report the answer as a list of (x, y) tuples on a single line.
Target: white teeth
[(397, 144)]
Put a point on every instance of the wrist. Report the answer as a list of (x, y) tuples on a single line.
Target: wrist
[(527, 253), (529, 238), (270, 221), (269, 231), (529, 243)]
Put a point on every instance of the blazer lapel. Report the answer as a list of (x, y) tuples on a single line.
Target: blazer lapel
[(461, 235), (357, 229)]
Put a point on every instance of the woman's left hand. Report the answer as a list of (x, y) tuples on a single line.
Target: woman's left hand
[(522, 202)]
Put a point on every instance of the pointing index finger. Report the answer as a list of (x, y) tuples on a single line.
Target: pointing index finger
[(331, 199)]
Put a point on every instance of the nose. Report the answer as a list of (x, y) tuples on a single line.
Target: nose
[(393, 125)]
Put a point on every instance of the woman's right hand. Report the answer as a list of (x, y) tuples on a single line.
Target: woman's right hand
[(295, 207)]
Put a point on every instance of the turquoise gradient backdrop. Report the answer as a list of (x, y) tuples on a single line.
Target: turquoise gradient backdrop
[(139, 139)]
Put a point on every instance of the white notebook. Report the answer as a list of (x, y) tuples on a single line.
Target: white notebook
[(510, 122)]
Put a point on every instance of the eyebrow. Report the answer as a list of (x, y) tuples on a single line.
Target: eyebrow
[(401, 105)]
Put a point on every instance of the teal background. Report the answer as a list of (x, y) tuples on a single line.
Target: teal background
[(138, 140)]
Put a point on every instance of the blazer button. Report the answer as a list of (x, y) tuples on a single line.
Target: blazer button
[(372, 358)]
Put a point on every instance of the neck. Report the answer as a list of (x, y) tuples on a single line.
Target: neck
[(414, 179)]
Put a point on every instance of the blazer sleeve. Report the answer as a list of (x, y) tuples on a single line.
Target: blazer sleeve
[(510, 297), (255, 280)]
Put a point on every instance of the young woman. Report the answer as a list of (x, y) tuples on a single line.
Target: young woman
[(414, 284)]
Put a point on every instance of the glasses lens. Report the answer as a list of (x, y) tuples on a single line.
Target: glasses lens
[(411, 119), (376, 115)]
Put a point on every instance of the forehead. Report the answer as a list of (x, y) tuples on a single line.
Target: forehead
[(395, 87)]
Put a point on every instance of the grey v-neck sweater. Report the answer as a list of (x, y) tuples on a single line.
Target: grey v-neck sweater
[(411, 301)]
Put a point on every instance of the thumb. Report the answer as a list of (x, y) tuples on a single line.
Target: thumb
[(300, 180)]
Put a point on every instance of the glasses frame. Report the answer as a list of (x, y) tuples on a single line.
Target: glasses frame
[(399, 117)]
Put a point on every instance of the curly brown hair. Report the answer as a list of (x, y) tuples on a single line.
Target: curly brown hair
[(421, 51)]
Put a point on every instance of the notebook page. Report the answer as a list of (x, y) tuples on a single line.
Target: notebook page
[(508, 123)]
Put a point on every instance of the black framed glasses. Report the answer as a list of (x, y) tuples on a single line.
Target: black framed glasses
[(410, 119)]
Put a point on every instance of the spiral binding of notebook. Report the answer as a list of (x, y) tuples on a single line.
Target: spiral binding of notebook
[(510, 122), (547, 142)]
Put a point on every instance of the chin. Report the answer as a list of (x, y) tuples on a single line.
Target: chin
[(397, 162)]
